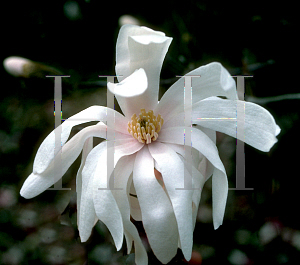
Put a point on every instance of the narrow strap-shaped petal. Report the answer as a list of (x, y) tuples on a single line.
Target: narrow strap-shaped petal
[(173, 173), (106, 207), (200, 161), (45, 153), (204, 145), (122, 173), (219, 194), (260, 128), (135, 209), (158, 216), (141, 47), (214, 81), (130, 93), (87, 147), (198, 178), (36, 183), (180, 150), (198, 183), (87, 214), (123, 59), (205, 167)]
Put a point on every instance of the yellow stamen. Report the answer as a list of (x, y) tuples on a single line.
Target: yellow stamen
[(146, 126)]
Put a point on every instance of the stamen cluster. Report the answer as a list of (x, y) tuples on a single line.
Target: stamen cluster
[(146, 126)]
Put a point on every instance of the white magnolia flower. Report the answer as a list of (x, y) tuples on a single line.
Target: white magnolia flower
[(148, 144)]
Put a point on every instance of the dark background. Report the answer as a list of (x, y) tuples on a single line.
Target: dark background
[(256, 38)]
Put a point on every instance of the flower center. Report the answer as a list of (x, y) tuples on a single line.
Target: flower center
[(145, 127)]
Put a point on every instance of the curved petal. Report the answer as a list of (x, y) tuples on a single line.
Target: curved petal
[(260, 128), (36, 183), (157, 212), (214, 81), (45, 153), (174, 121), (198, 183), (87, 147), (122, 173), (205, 167), (87, 214), (173, 173), (105, 205), (141, 47), (135, 209), (130, 93), (197, 176), (219, 196), (200, 162), (180, 150), (204, 145)]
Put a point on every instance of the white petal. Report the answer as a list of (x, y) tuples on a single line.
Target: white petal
[(180, 150), (130, 93), (199, 161), (141, 47), (209, 132), (87, 147), (133, 85), (205, 167), (206, 146), (123, 67), (259, 125), (174, 121), (87, 214), (173, 173), (214, 81), (105, 205), (219, 194), (135, 209), (198, 177), (36, 183), (198, 182), (158, 217), (122, 174), (45, 153)]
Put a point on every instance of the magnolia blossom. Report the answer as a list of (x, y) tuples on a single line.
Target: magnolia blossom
[(149, 170)]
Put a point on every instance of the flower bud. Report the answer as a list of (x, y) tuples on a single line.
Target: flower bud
[(17, 66), (127, 19), (22, 67)]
